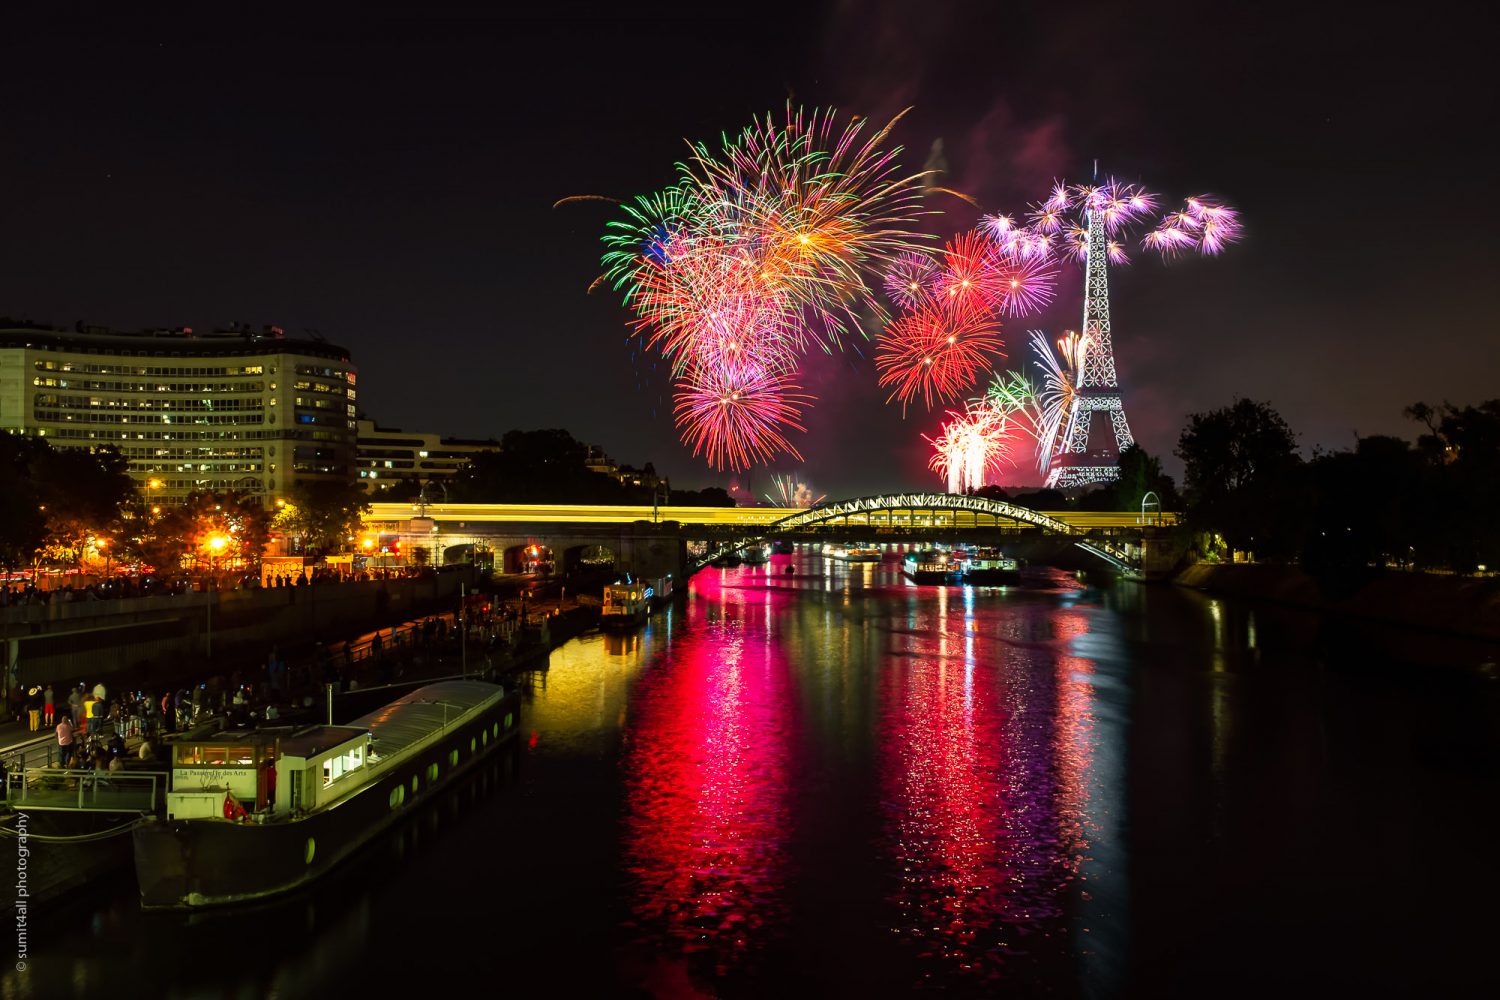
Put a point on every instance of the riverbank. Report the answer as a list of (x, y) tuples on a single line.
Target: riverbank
[(1461, 605)]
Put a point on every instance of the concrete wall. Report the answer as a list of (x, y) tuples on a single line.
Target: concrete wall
[(91, 640)]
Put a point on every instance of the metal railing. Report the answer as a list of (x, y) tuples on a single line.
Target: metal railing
[(90, 791)]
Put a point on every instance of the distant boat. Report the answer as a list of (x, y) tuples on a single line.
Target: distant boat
[(756, 555), (626, 605), (782, 547), (990, 567), (930, 566), (729, 559), (850, 553)]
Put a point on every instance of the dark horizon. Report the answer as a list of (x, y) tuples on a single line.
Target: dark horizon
[(389, 186)]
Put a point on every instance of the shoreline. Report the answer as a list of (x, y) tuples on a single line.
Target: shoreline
[(1465, 607)]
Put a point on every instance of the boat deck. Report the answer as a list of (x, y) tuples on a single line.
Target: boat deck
[(85, 791)]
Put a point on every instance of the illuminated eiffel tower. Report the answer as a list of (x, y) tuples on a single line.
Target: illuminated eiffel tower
[(1098, 390)]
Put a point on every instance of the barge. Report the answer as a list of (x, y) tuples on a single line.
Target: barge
[(990, 567), (255, 814), (626, 605), (930, 566)]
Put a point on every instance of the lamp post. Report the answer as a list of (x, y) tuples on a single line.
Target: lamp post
[(216, 545)]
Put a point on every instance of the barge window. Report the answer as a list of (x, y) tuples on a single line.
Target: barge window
[(201, 755), (337, 766)]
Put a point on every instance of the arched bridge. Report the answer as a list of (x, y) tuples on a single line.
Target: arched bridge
[(908, 513)]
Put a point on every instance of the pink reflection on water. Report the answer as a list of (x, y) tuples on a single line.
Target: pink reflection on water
[(984, 764), (706, 790)]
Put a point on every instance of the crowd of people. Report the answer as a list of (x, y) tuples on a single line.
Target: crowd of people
[(26, 594), (93, 725)]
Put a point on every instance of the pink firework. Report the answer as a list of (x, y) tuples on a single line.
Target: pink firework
[(734, 415), (1060, 225), (936, 353), (908, 281), (1026, 286)]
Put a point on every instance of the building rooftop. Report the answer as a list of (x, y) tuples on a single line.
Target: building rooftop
[(173, 343)]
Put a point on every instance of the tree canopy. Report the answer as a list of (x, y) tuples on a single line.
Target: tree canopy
[(1240, 475), (324, 514)]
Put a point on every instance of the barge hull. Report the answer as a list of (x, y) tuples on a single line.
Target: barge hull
[(184, 864)]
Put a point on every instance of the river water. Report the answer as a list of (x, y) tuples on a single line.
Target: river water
[(837, 783)]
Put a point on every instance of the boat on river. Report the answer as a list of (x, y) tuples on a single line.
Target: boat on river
[(853, 553), (930, 566), (626, 605), (988, 567), (254, 814), (756, 555)]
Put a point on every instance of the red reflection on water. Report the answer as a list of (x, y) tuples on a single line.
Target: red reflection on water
[(706, 787), (983, 765)]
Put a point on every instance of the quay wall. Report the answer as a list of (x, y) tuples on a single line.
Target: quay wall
[(65, 642), (1461, 605)]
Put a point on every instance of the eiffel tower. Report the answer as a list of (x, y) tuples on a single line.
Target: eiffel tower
[(1097, 389)]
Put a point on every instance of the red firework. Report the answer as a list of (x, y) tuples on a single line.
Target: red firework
[(734, 414), (969, 279), (936, 353)]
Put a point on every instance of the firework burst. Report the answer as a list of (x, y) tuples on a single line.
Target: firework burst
[(1060, 225), (788, 492), (734, 415), (935, 353), (970, 447), (764, 245)]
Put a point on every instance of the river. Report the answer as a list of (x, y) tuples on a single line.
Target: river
[(836, 783)]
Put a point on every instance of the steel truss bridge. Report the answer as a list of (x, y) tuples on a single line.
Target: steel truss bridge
[(1106, 535), (906, 514)]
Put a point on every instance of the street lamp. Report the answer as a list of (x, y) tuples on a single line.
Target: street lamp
[(216, 545)]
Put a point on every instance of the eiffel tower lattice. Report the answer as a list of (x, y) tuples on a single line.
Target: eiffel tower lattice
[(1097, 390)]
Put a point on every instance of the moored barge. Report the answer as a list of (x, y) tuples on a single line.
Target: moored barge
[(930, 566), (251, 815)]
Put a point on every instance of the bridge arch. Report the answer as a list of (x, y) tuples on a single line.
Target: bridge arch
[(930, 503)]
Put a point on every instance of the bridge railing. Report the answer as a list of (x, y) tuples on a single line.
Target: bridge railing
[(912, 503)]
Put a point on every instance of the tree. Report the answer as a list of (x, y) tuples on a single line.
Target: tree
[(23, 524), (1460, 484), (325, 514), (1141, 473), (79, 494), (1361, 508), (709, 496), (546, 466), (208, 532), (1240, 477)]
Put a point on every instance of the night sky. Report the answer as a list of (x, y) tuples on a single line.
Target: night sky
[(388, 183)]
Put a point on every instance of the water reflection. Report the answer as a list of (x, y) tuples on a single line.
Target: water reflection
[(985, 754), (705, 772)]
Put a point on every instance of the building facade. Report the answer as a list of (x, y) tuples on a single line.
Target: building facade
[(390, 458), (230, 410)]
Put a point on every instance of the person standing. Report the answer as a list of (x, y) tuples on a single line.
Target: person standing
[(65, 742), (75, 705), (34, 709), (49, 708)]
